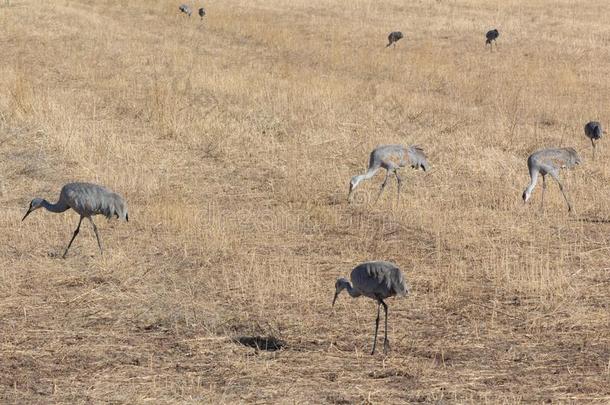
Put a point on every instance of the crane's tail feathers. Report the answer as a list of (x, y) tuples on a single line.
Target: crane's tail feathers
[(418, 158)]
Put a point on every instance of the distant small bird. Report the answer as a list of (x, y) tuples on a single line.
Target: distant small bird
[(491, 37), (87, 200), (201, 13), (549, 161), (185, 9), (391, 158), (393, 38), (594, 131), (378, 281)]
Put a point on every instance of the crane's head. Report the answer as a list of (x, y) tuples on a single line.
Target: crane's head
[(353, 183), (34, 205), (340, 285)]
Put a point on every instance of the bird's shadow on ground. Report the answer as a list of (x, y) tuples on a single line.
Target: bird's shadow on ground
[(268, 343), (593, 220)]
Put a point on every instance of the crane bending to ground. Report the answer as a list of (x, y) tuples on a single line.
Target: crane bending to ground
[(550, 161), (594, 131), (185, 9), (391, 158), (394, 37), (87, 200), (378, 281), (491, 36)]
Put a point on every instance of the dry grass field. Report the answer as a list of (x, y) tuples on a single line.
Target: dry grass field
[(233, 141)]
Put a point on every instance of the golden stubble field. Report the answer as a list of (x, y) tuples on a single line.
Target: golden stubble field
[(233, 141)]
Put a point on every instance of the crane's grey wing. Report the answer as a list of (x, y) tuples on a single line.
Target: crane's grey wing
[(562, 158), (552, 159), (379, 279), (417, 158), (571, 157), (397, 280), (91, 199)]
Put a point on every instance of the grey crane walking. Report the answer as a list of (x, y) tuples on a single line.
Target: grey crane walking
[(594, 131), (376, 280), (87, 200), (491, 36), (549, 161), (391, 158), (393, 38), (201, 13), (185, 9)]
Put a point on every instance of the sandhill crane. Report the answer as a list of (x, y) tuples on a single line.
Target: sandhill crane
[(378, 281), (185, 9), (491, 36), (550, 161), (594, 131), (87, 200), (391, 158), (393, 38), (201, 13)]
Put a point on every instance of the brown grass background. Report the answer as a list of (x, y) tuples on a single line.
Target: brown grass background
[(233, 141)]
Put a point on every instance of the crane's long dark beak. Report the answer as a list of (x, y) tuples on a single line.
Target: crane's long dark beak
[(27, 213), (335, 299), (349, 195)]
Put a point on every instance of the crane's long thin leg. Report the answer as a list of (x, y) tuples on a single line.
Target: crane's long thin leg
[(386, 343), (99, 243), (562, 191), (376, 327), (543, 188), (385, 181), (73, 236), (399, 182)]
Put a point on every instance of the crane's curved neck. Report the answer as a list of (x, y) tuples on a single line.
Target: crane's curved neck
[(370, 173), (533, 181), (352, 291), (59, 206), (346, 285)]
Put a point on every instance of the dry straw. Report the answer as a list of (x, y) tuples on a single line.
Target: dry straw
[(233, 142)]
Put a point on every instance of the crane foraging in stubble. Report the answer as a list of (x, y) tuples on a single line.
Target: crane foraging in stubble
[(391, 158), (185, 9), (491, 36), (378, 281), (87, 200), (550, 161), (394, 37), (594, 131)]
